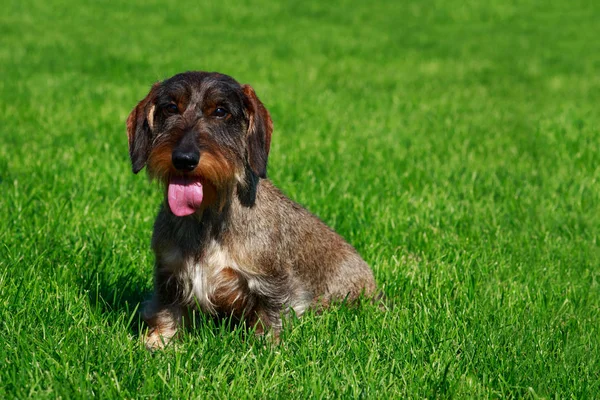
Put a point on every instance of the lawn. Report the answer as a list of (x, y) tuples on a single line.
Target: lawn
[(455, 144)]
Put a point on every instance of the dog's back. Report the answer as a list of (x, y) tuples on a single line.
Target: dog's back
[(283, 237)]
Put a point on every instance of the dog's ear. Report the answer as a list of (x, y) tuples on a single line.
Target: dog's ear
[(259, 132), (139, 130)]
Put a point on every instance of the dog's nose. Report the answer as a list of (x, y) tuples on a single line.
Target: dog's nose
[(185, 161)]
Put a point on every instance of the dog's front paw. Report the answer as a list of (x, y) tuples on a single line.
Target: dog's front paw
[(157, 339)]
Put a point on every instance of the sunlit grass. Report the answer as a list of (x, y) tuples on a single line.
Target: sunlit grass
[(455, 145)]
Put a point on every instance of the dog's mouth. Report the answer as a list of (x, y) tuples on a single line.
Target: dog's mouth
[(184, 195)]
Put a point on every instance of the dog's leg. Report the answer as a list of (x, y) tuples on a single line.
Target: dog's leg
[(162, 322), (264, 320), (274, 297)]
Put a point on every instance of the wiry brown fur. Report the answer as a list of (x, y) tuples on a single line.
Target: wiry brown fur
[(249, 252)]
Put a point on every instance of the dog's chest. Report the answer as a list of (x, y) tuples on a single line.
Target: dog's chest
[(203, 279)]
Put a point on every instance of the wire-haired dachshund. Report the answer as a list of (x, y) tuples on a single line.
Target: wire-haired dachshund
[(227, 242)]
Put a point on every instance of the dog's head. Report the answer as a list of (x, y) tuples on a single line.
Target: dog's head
[(202, 134)]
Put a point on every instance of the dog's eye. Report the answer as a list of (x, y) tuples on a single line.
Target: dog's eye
[(220, 112), (171, 108)]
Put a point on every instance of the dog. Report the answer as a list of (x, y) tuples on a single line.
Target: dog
[(226, 241)]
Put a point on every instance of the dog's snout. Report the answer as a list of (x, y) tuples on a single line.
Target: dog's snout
[(185, 161), (186, 154)]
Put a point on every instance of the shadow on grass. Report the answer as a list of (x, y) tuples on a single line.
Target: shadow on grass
[(120, 294)]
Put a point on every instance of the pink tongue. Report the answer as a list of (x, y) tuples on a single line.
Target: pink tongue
[(185, 195)]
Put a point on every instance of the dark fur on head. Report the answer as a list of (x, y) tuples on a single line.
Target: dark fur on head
[(234, 148), (248, 251)]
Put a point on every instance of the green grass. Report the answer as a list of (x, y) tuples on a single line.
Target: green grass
[(454, 144)]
